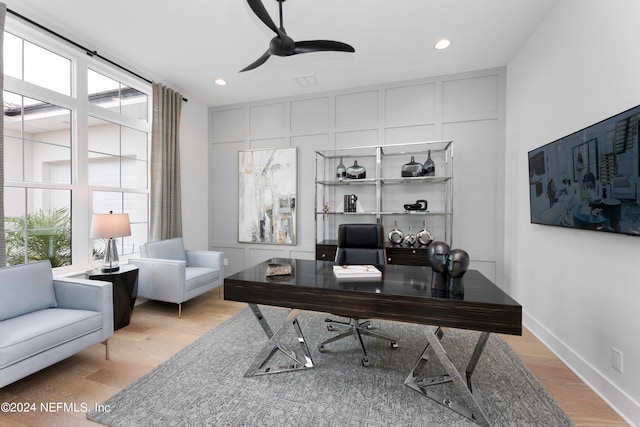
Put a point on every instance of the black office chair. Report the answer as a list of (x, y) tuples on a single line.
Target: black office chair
[(358, 244)]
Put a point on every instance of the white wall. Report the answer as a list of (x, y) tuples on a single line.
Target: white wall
[(194, 174), (579, 289), (467, 108)]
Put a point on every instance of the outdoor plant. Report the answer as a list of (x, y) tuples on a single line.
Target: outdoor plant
[(47, 234)]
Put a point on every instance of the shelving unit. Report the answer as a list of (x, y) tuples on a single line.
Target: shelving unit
[(382, 194)]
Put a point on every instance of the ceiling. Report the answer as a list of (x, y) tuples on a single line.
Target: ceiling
[(187, 45)]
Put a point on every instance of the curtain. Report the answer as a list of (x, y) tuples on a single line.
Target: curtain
[(165, 219), (3, 247)]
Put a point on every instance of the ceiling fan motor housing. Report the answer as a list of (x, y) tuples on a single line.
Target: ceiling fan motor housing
[(282, 45)]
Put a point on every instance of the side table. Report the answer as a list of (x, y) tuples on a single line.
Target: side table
[(125, 291)]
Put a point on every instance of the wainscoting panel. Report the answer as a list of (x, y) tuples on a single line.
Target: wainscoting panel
[(405, 134), (470, 96), (360, 108), (257, 144), (475, 194), (310, 114), (228, 124), (410, 104), (223, 189), (267, 119), (356, 138)]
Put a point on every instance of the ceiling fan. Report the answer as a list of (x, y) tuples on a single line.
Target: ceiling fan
[(283, 45)]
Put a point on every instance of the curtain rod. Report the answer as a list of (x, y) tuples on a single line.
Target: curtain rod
[(91, 53)]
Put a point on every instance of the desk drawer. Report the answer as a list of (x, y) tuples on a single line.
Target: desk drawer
[(407, 256), (326, 252)]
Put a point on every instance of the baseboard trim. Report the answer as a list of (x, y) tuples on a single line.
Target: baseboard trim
[(621, 402)]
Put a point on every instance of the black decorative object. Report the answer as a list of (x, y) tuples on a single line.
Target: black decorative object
[(350, 203), (396, 236), (412, 169), (429, 166), (457, 266), (282, 44), (438, 256), (419, 205), (356, 171)]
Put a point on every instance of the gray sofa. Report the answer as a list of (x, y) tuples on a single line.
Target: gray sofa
[(44, 320), (170, 273)]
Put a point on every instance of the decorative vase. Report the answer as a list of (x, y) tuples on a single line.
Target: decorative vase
[(411, 169), (341, 171), (356, 171), (429, 167)]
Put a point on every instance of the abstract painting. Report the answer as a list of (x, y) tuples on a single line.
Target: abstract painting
[(267, 196)]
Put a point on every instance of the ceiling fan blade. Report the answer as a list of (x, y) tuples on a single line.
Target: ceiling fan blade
[(261, 12), (258, 62), (322, 45)]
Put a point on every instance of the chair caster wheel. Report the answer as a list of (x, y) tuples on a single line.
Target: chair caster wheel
[(329, 327), (394, 344), (321, 348), (365, 362)]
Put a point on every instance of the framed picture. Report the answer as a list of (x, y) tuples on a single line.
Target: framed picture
[(580, 161), (585, 156), (267, 196)]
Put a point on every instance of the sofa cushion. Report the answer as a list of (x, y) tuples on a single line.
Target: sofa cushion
[(198, 276), (26, 288), (166, 249), (27, 335)]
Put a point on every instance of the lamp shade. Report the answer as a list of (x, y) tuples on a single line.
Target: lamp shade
[(110, 225)]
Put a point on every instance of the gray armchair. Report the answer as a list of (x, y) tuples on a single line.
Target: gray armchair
[(170, 273)]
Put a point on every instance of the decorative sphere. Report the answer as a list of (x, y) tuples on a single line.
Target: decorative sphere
[(438, 254), (458, 262)]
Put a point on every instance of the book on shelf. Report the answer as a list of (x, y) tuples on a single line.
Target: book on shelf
[(356, 272)]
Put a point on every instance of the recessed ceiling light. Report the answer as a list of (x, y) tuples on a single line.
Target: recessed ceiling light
[(442, 44), (220, 82)]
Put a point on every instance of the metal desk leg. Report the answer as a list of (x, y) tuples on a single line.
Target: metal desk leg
[(468, 405), (301, 361)]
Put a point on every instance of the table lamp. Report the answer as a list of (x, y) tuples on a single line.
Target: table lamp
[(109, 226)]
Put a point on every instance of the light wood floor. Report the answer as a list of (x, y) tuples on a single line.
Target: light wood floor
[(156, 333)]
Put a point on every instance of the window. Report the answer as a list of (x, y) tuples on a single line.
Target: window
[(29, 62), (37, 138), (68, 156), (116, 96)]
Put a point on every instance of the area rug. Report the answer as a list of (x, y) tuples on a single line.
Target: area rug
[(203, 384)]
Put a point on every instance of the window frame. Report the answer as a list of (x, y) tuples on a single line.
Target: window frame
[(81, 109)]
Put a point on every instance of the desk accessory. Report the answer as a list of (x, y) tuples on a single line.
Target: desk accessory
[(356, 272), (276, 270)]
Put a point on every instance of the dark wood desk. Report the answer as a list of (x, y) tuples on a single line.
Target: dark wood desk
[(404, 294)]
